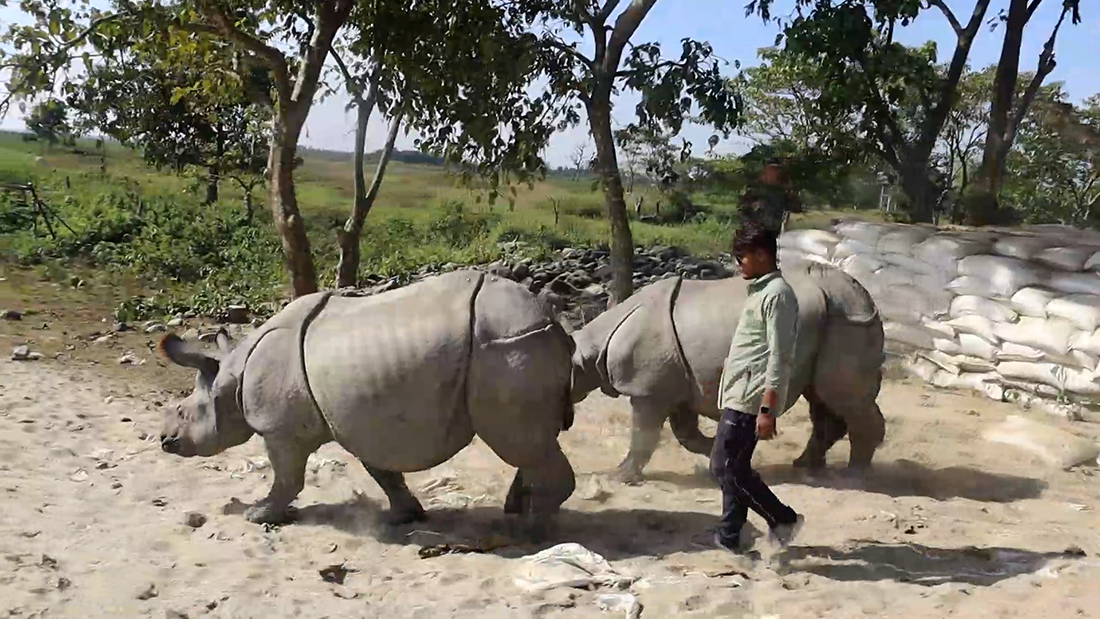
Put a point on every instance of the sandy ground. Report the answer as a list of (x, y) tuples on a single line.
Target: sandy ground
[(93, 521)]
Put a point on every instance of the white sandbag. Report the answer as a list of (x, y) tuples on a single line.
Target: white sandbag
[(1036, 389), (987, 308), (912, 265), (1022, 247), (1052, 335), (902, 241), (976, 325), (974, 346), (1005, 275), (1081, 381), (789, 256), (957, 364), (907, 334), (1080, 309), (948, 345), (970, 285), (1050, 374), (865, 232), (1065, 258), (815, 242), (988, 383), (851, 247), (1053, 445), (568, 565), (945, 251), (866, 263), (924, 302), (1075, 283), (1032, 301), (1086, 342), (922, 368), (891, 275), (1093, 263), (1011, 351), (939, 329)]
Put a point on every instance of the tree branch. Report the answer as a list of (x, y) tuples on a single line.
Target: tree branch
[(1031, 9), (625, 27), (955, 25), (569, 50), (1046, 65), (274, 58)]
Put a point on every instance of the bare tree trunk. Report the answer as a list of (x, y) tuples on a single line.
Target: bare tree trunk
[(249, 208), (212, 181), (347, 269), (1004, 89), (284, 212), (622, 241)]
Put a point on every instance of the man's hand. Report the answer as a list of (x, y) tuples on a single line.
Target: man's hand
[(765, 426)]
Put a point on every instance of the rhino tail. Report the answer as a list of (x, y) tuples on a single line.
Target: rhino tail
[(568, 410)]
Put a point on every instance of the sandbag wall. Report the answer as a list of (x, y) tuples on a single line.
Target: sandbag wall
[(985, 309)]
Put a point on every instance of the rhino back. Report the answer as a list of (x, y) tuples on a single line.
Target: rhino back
[(388, 372)]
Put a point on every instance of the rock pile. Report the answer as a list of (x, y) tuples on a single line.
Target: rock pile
[(575, 280)]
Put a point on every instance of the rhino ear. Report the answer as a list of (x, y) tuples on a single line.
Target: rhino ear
[(225, 343), (176, 350)]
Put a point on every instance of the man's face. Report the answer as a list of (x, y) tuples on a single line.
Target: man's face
[(754, 263)]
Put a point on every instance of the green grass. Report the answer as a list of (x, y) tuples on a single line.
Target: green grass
[(138, 222)]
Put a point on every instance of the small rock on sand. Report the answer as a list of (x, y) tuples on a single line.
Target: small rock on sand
[(194, 519), (11, 315), (21, 353), (148, 593)]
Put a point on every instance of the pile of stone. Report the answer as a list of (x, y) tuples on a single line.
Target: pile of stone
[(576, 280)]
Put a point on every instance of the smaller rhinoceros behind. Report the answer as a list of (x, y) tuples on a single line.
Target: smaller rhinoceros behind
[(402, 380)]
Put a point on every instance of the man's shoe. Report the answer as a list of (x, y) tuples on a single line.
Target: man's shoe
[(782, 535)]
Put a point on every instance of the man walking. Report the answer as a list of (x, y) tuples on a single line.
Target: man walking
[(753, 391)]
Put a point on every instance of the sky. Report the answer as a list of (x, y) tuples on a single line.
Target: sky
[(736, 37)]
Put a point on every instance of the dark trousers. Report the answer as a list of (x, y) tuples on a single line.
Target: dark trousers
[(742, 487)]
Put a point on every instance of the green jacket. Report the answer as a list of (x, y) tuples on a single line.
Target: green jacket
[(762, 351)]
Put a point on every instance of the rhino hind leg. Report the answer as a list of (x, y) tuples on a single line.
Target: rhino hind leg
[(866, 438), (288, 457), (519, 496), (404, 507), (828, 428), (685, 427)]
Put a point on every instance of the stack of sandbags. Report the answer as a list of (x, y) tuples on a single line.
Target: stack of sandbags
[(985, 309)]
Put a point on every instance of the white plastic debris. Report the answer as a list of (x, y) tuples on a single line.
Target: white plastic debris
[(568, 565), (625, 603), (1055, 446)]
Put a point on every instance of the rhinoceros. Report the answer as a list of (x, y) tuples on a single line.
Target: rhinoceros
[(402, 380), (664, 348)]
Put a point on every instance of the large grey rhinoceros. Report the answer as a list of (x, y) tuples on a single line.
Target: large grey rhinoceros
[(665, 346), (403, 380)]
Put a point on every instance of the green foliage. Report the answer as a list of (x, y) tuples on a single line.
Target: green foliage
[(49, 121)]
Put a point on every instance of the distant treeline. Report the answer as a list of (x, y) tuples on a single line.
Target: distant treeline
[(404, 156)]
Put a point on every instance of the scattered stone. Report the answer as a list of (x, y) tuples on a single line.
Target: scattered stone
[(34, 356), (344, 593), (237, 314), (175, 322), (335, 574), (21, 353), (121, 327), (174, 614), (159, 502), (148, 593), (128, 359), (63, 583), (11, 315), (156, 327), (103, 339), (48, 562), (195, 520)]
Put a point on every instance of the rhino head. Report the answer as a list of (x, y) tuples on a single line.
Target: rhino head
[(210, 420)]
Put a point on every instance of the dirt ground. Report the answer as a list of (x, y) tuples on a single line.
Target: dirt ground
[(94, 518)]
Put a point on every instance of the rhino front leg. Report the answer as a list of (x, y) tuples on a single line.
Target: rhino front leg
[(404, 507), (647, 417), (288, 458)]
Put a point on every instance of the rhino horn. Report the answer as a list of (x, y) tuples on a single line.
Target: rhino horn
[(180, 352)]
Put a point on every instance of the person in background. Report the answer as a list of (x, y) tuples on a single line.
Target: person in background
[(753, 392), (769, 200)]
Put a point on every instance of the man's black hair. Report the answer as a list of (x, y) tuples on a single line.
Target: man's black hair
[(752, 237)]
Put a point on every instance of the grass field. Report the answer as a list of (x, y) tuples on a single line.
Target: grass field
[(149, 228)]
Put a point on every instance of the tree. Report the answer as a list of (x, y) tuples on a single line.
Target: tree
[(897, 95), (49, 121), (669, 89), (1054, 166), (580, 159), (231, 42), (130, 98), (1008, 107)]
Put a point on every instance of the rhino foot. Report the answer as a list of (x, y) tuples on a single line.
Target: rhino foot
[(266, 512), (629, 475), (806, 462), (396, 518)]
